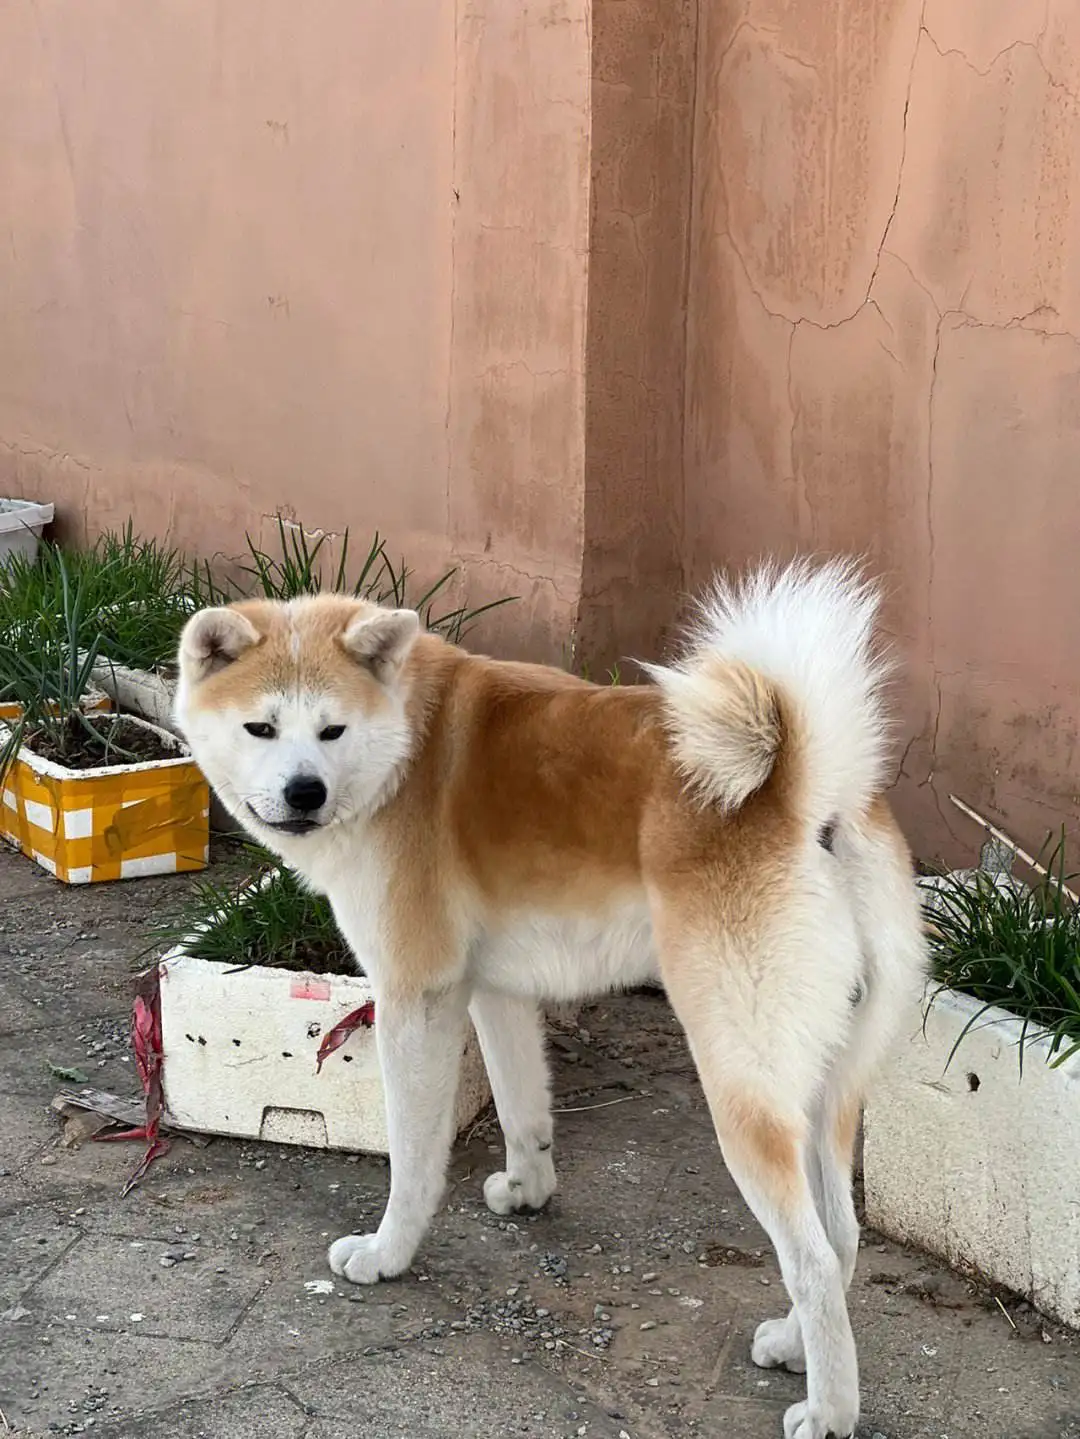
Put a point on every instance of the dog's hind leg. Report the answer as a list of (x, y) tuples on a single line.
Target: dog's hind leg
[(828, 1160), (512, 1040), (876, 869), (420, 1043), (762, 1020)]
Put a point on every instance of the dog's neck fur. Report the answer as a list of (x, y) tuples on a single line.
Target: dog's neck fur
[(428, 683)]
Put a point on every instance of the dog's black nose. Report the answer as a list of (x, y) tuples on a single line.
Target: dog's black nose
[(305, 793)]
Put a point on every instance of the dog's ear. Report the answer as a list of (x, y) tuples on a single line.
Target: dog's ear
[(381, 642), (213, 639)]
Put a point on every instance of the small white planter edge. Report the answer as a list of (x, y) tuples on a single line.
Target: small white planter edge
[(22, 523), (974, 1161), (239, 1057)]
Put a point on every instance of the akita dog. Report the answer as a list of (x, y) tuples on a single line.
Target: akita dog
[(495, 835)]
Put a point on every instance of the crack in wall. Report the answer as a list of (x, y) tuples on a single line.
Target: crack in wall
[(903, 155), (759, 32), (48, 456), (501, 367), (882, 248), (935, 731), (931, 557), (456, 184), (895, 255), (901, 771), (533, 579), (721, 59), (1033, 45), (804, 514), (770, 36)]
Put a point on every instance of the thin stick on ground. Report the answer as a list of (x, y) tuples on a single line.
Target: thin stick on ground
[(604, 1104), (564, 1344)]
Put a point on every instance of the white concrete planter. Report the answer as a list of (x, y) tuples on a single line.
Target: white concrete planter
[(240, 1050), (21, 526), (140, 692), (146, 693), (974, 1162)]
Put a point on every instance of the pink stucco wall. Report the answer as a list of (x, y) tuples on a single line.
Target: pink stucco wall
[(587, 297), (884, 357), (327, 259)]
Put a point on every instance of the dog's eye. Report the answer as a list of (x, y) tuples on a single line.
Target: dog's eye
[(332, 731), (261, 731)]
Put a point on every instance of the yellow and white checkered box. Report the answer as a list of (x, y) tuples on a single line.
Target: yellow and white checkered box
[(117, 823)]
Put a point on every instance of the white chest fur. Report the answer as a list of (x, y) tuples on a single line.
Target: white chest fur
[(566, 956)]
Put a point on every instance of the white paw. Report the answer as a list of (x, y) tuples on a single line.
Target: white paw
[(778, 1344), (799, 1423), (506, 1195), (364, 1259)]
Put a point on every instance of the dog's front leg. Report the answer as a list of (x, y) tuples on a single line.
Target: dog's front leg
[(420, 1046)]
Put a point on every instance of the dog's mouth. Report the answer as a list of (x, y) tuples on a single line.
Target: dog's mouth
[(287, 826)]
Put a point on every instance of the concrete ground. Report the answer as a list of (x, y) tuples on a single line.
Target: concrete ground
[(625, 1310)]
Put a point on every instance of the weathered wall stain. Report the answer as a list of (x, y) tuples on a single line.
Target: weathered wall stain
[(642, 149)]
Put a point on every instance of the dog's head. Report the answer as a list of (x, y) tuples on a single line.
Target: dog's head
[(295, 711)]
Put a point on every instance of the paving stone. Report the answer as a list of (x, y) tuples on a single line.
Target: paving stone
[(421, 1393), (746, 1418), (26, 1126), (15, 1193), (59, 1374), (31, 1241), (18, 1010), (257, 1412), (116, 1282)]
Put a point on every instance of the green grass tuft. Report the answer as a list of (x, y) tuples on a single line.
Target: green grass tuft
[(269, 919), (298, 570), (1016, 948), (135, 594), (49, 676)]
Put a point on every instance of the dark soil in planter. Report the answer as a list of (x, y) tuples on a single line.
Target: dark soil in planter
[(116, 742), (305, 959)]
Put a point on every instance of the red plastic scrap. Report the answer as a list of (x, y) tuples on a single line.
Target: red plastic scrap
[(147, 1043), (362, 1018), (146, 1037)]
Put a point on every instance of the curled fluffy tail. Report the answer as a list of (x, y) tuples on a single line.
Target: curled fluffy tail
[(784, 660)]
